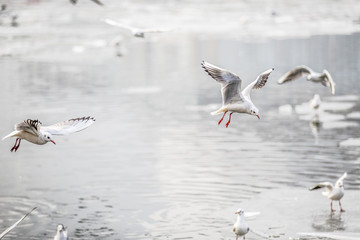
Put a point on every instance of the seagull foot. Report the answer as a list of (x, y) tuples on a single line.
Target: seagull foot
[(342, 210)]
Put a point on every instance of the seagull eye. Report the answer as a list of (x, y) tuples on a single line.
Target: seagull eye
[(48, 137)]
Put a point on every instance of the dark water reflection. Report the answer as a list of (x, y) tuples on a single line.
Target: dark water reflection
[(156, 165)]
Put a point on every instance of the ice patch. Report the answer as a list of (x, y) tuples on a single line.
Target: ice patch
[(351, 142)]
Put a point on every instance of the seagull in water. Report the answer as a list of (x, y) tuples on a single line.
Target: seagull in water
[(240, 227), (233, 99), (315, 102), (335, 193), (61, 233), (32, 131), (136, 32), (324, 78)]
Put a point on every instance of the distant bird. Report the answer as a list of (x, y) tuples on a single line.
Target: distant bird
[(136, 32), (240, 227), (95, 1), (15, 224), (32, 131), (315, 102), (335, 193), (61, 233), (324, 78), (232, 99)]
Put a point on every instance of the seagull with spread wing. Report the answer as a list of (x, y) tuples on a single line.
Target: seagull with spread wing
[(15, 224), (335, 193), (233, 99), (32, 131), (324, 78), (136, 32)]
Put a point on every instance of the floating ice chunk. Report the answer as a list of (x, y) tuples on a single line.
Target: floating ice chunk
[(351, 142)]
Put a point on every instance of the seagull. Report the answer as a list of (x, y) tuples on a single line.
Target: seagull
[(61, 233), (315, 102), (95, 1), (240, 227), (136, 32), (324, 78), (32, 131), (335, 193), (233, 99), (15, 224)]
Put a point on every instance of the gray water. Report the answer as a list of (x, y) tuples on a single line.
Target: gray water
[(155, 165)]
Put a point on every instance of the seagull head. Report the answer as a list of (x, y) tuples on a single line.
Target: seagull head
[(60, 228), (254, 111), (48, 138), (340, 184), (239, 211)]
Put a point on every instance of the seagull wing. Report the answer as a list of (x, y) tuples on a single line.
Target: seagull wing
[(117, 24), (98, 2), (341, 178), (230, 82), (327, 185), (15, 224), (155, 30), (295, 73), (330, 81), (258, 83), (69, 126), (30, 126)]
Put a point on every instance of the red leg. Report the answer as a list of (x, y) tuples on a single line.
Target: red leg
[(18, 145), (13, 148), (222, 118), (227, 124), (341, 209), (332, 210)]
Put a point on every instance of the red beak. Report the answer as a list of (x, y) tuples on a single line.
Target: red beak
[(258, 116), (52, 142)]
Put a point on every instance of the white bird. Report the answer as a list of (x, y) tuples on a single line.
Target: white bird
[(61, 233), (32, 131), (240, 227), (15, 224), (232, 99), (136, 32), (324, 78), (335, 193), (315, 102)]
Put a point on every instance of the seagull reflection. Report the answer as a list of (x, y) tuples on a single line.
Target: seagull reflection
[(332, 222)]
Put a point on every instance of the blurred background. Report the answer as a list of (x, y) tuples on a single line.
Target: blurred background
[(155, 165)]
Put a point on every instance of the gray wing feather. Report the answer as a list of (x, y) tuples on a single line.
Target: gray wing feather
[(69, 126), (295, 73), (327, 185), (30, 126), (259, 82), (230, 82)]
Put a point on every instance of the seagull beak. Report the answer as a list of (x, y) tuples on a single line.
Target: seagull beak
[(52, 142), (258, 116)]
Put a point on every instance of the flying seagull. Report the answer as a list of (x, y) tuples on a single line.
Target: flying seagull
[(324, 78), (335, 193), (15, 224), (232, 99), (32, 131), (136, 32), (240, 227)]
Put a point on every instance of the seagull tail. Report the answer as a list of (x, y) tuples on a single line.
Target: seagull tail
[(221, 110), (12, 134)]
